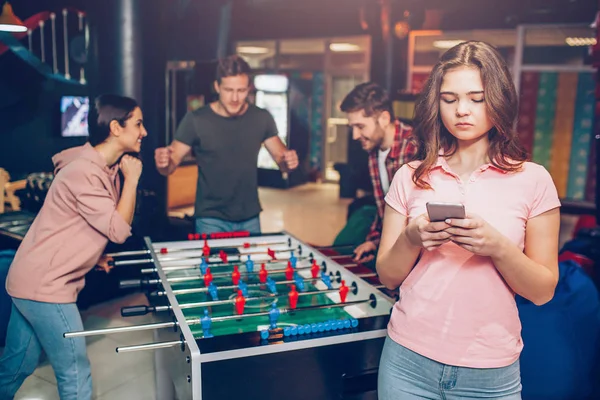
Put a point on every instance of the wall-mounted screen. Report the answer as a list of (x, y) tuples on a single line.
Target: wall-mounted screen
[(74, 116)]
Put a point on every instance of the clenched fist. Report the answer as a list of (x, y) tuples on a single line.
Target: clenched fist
[(162, 157), (291, 159), (131, 167)]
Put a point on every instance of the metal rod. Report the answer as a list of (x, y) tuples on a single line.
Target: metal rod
[(215, 265), (87, 41), (42, 41), (144, 252), (289, 310), (167, 107), (29, 39), (342, 246), (150, 346), (240, 316), (173, 104), (199, 277), (120, 329), (53, 24), (518, 58), (245, 245), (196, 321), (336, 257), (133, 262), (128, 253), (210, 303), (180, 279), (266, 252), (557, 68), (204, 289), (66, 43), (232, 301), (258, 244), (367, 275)]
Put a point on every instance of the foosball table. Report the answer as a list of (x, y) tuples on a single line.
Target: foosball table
[(263, 317)]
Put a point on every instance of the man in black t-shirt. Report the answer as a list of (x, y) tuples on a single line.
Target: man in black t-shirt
[(226, 137)]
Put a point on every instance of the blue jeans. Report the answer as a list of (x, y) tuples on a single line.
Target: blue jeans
[(404, 374), (34, 326), (216, 225), (6, 258)]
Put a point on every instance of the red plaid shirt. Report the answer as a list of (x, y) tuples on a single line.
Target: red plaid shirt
[(402, 151)]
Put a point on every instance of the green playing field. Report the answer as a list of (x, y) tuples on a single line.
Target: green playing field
[(252, 324)]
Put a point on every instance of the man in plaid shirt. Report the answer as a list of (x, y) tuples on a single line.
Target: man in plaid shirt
[(371, 116)]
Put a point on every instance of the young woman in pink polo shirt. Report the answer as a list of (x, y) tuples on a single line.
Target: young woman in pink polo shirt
[(84, 209), (455, 332)]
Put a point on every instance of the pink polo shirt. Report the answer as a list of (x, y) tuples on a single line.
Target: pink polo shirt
[(455, 307)]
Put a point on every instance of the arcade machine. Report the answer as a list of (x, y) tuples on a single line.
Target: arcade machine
[(272, 94)]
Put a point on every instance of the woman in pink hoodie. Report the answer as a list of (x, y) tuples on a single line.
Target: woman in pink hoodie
[(84, 209)]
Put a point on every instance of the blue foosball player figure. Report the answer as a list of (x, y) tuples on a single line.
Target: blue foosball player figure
[(212, 290), (244, 288), (326, 280), (203, 266), (274, 315), (299, 282), (293, 260), (271, 285), (249, 265), (206, 322)]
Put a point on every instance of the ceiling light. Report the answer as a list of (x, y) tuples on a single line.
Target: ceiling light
[(446, 44), (580, 41), (344, 47), (252, 50), (9, 21)]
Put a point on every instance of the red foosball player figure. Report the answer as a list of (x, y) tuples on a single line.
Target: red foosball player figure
[(289, 272), (235, 275), (271, 254), (207, 277), (262, 274), (164, 250), (314, 269), (293, 297), (240, 302), (343, 291), (205, 249), (223, 256)]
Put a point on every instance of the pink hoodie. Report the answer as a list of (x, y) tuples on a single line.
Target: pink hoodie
[(72, 229)]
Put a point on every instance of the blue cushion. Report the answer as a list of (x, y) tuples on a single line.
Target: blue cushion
[(560, 338)]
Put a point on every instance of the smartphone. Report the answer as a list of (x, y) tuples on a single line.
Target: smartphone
[(443, 211)]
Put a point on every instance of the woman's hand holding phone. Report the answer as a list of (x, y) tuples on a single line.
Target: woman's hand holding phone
[(421, 232), (474, 234), (471, 232)]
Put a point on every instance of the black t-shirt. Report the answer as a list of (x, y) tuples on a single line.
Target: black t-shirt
[(226, 150)]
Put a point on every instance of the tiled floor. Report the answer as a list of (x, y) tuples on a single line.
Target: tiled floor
[(314, 213)]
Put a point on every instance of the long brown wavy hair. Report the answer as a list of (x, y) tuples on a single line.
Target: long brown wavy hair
[(505, 151)]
